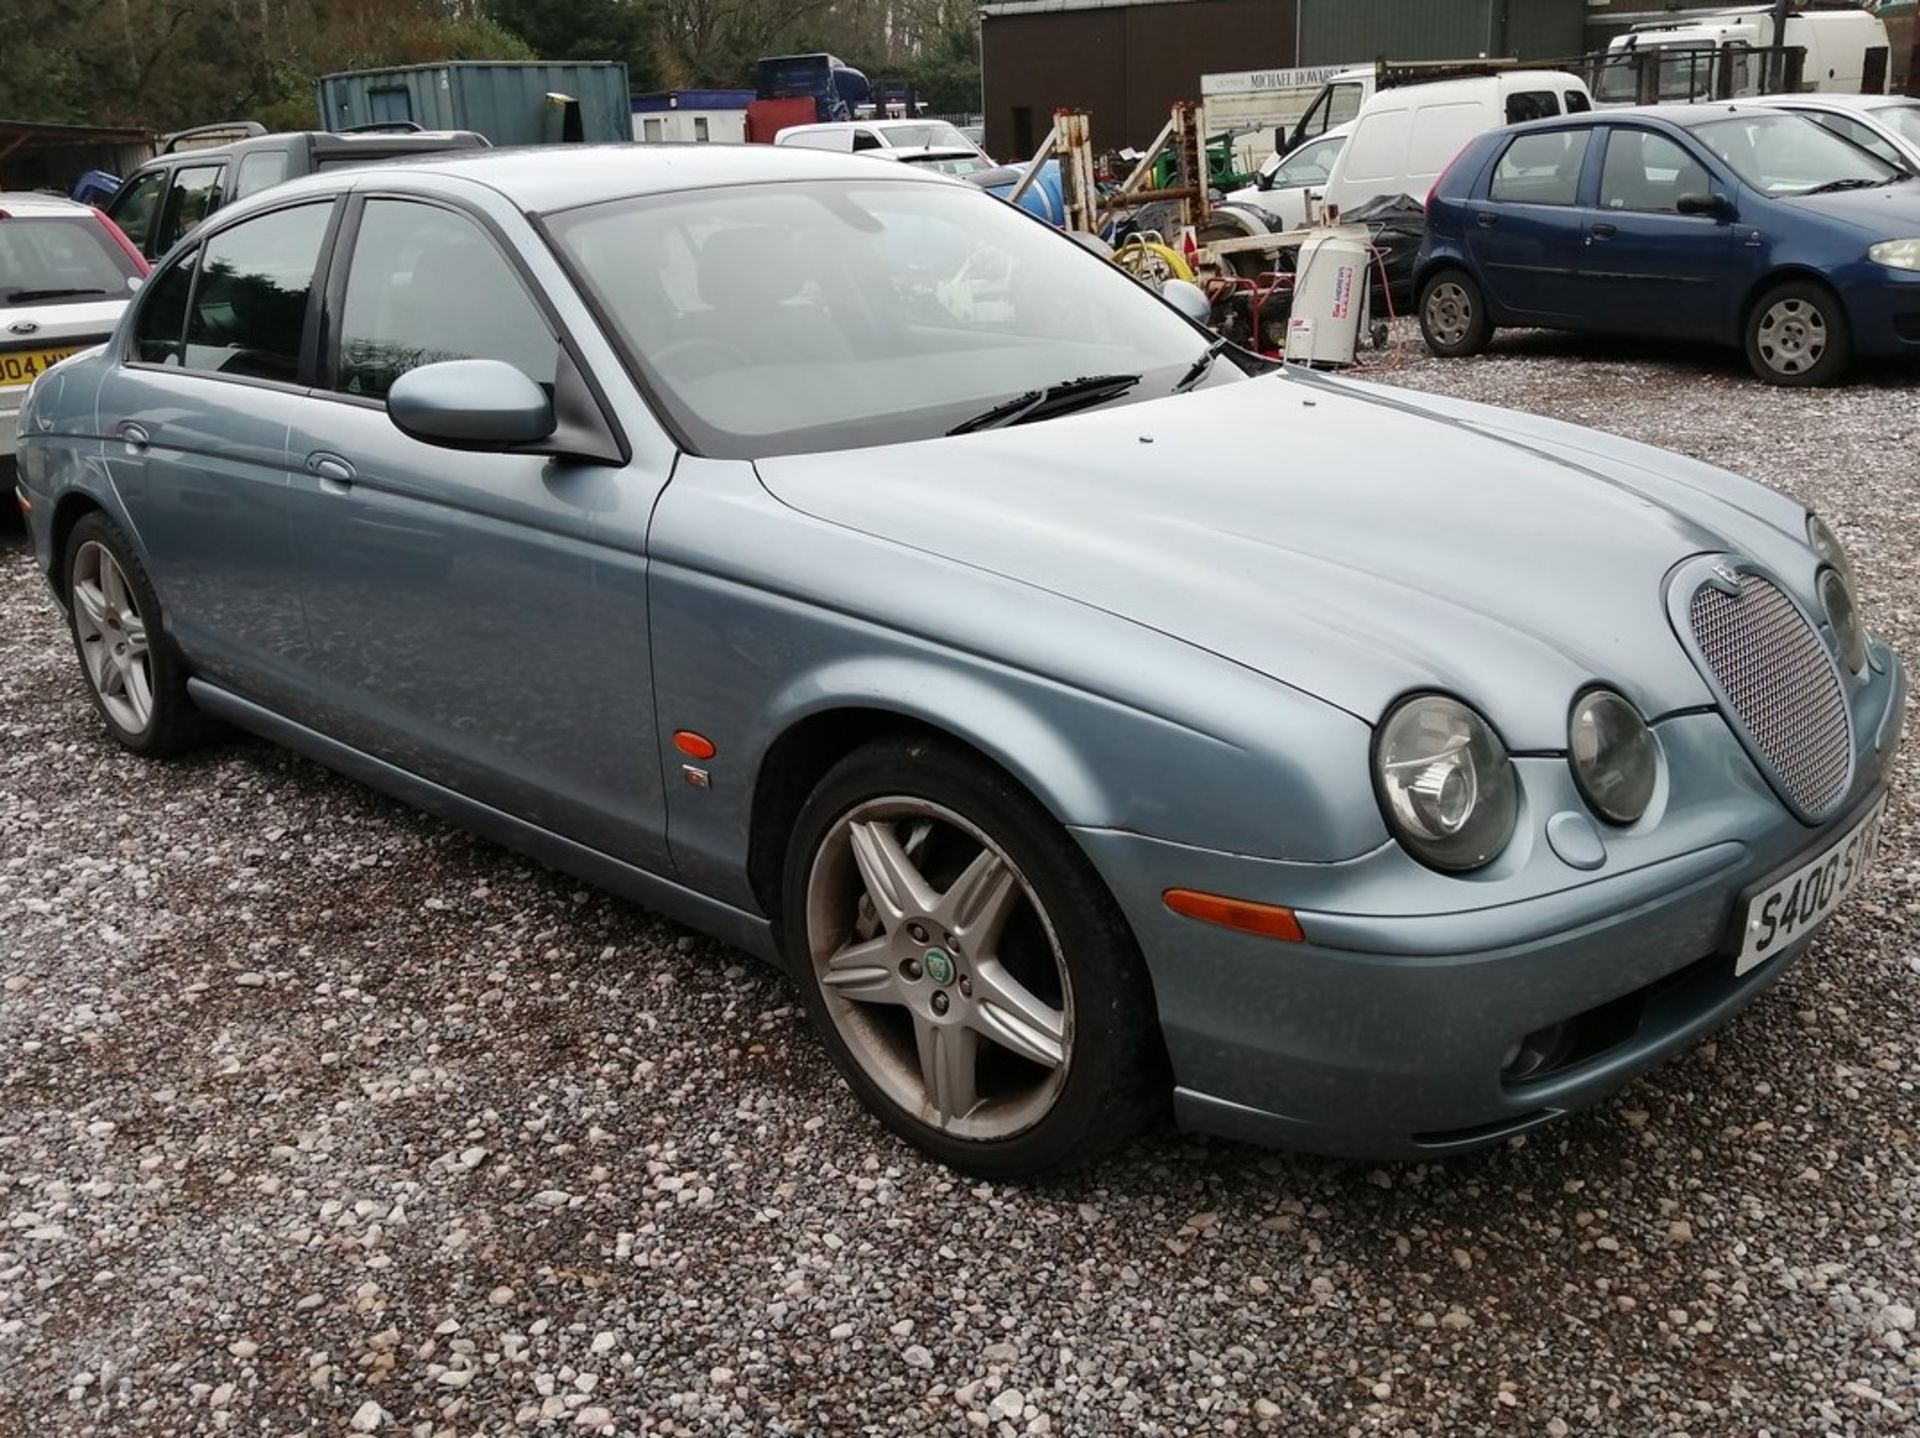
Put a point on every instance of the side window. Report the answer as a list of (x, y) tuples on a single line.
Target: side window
[(700, 128), (866, 140), (1344, 103), (1524, 105), (163, 315), (1577, 102), (1855, 133), (1541, 169), (194, 195), (1308, 165), (428, 285), (259, 170), (1648, 172), (250, 305), (134, 208)]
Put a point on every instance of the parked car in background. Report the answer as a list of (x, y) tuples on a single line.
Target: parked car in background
[(166, 197), (1287, 193), (1738, 223), (1888, 125), (769, 536), (66, 273), (1404, 137), (856, 136)]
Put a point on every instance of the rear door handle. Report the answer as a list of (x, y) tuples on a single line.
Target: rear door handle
[(135, 435), (336, 474), (1485, 220), (1605, 231)]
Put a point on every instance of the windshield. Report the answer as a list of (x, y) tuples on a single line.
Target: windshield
[(1780, 154), (59, 260), (783, 318), (934, 134), (968, 164), (1903, 120)]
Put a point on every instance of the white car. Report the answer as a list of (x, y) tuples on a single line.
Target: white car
[(1288, 191), (1887, 126), (859, 136), (66, 272)]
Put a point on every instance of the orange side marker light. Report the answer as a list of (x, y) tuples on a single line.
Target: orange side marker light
[(694, 746), (1269, 921)]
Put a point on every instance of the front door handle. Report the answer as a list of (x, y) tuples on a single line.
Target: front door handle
[(135, 435), (336, 474), (1605, 231)]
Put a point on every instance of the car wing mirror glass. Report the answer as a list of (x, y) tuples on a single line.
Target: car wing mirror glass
[(470, 404)]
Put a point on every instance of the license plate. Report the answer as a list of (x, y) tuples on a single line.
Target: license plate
[(25, 366), (1778, 916)]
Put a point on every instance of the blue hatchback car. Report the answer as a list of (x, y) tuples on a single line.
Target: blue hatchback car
[(1731, 223)]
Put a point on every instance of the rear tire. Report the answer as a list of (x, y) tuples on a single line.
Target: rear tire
[(134, 674), (983, 996), (1797, 335), (1453, 315)]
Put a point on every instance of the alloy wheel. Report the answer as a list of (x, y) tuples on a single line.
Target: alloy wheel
[(939, 968), (1792, 336), (113, 637), (1449, 313)]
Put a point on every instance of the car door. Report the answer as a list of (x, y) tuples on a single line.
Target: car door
[(193, 193), (469, 626), (1525, 233), (194, 420), (1644, 267), (136, 208)]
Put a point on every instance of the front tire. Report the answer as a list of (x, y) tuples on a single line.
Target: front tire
[(1797, 335), (968, 971), (134, 675), (1453, 315)]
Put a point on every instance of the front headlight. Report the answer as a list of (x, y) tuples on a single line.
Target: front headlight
[(1445, 782), (1615, 761), (1835, 586), (1896, 254)]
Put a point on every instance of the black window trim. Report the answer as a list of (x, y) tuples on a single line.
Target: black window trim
[(333, 304), (192, 254)]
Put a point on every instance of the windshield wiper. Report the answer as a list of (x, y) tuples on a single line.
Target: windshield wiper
[(1848, 184), (1054, 399), (1198, 370), (16, 297)]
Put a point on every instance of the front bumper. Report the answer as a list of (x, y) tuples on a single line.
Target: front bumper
[(1387, 1033), (1884, 311)]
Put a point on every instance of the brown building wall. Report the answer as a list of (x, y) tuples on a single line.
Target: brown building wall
[(1124, 66)]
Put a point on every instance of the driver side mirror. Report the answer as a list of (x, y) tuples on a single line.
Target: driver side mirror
[(475, 404), (1189, 299), (1717, 206)]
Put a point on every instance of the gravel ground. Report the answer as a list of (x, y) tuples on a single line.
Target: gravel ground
[(320, 1117)]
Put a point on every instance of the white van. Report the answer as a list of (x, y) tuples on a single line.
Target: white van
[(1842, 48), (1404, 137)]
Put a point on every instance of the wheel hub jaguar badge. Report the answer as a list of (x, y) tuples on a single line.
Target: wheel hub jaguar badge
[(938, 966)]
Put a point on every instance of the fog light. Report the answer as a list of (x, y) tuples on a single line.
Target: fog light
[(1537, 1053)]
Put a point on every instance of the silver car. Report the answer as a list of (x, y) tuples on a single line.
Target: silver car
[(846, 564)]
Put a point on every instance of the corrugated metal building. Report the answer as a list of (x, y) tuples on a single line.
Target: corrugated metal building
[(511, 102), (1127, 61)]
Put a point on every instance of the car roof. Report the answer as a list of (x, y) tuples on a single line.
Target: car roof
[(32, 205), (1830, 100), (548, 178), (1682, 116), (327, 142), (1500, 81)]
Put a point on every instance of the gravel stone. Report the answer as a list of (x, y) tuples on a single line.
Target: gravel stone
[(468, 1091)]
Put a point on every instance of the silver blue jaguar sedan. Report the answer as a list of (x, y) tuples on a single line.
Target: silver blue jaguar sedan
[(1087, 716)]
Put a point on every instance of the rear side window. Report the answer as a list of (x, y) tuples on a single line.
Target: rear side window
[(1524, 105), (1648, 172), (163, 315), (1577, 102), (194, 194), (1540, 169), (259, 170), (428, 285), (57, 259), (250, 304), (135, 207)]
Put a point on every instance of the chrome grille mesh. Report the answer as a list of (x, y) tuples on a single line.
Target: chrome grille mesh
[(1781, 685)]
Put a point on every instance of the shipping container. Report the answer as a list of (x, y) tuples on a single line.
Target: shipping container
[(511, 102)]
